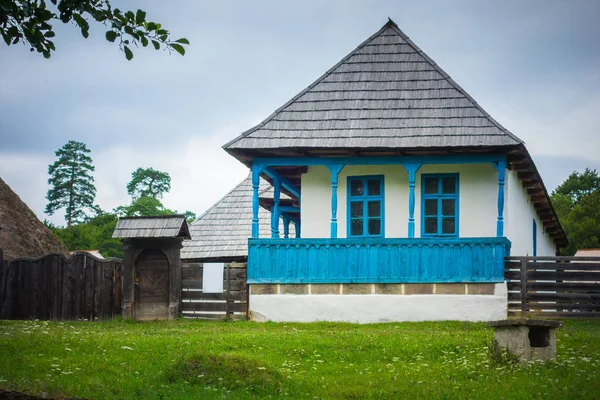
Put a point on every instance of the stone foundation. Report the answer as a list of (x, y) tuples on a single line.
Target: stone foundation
[(376, 288)]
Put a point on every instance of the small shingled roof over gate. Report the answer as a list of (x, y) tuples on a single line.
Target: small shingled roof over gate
[(152, 227), (387, 93)]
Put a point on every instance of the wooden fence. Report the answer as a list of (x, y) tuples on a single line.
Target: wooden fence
[(57, 287), (232, 303), (553, 287)]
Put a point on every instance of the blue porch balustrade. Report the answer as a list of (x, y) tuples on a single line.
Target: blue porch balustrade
[(377, 260)]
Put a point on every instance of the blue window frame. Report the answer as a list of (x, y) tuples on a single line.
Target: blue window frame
[(439, 205), (365, 203)]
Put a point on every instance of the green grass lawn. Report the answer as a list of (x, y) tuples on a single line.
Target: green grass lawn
[(194, 359)]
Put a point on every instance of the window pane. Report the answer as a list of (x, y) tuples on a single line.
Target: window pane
[(448, 207), (356, 227), (449, 185), (374, 226), (431, 207), (431, 185), (356, 209), (374, 187), (374, 208), (431, 225), (356, 187), (448, 225)]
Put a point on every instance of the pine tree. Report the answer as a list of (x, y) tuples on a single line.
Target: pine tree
[(72, 182), (148, 182)]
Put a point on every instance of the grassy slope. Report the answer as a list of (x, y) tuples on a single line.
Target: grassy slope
[(191, 359)]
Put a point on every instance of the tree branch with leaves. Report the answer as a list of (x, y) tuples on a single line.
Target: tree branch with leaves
[(30, 22)]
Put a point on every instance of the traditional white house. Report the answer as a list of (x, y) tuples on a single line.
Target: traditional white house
[(409, 193)]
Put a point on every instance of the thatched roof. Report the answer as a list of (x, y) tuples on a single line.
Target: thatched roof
[(168, 226), (387, 93), (22, 234), (222, 232)]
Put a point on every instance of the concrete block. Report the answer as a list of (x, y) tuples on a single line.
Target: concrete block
[(263, 289), (418, 288), (388, 288), (480, 288), (450, 288), (527, 339), (358, 288), (293, 289), (325, 289)]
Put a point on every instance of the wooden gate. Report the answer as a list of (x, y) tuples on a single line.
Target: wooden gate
[(232, 303), (151, 286), (553, 287)]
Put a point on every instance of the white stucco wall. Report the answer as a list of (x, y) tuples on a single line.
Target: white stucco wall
[(477, 208), (380, 308), (518, 216)]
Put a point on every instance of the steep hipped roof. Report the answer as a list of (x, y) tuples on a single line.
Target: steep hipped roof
[(169, 226), (387, 93), (222, 232), (21, 233)]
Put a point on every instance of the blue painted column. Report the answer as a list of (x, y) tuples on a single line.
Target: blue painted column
[(255, 183), (275, 213), (412, 169), (297, 229), (335, 171), (501, 166), (286, 226)]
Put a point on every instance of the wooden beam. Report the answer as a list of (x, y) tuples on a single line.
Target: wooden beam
[(539, 198), (520, 166), (526, 176)]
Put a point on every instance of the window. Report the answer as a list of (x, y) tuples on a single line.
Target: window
[(439, 205), (365, 206)]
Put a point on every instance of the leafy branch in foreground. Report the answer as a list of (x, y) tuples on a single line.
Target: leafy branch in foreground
[(30, 22)]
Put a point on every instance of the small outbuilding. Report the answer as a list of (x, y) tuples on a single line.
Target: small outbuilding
[(152, 265)]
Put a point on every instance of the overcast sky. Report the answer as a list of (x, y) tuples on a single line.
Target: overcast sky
[(533, 65)]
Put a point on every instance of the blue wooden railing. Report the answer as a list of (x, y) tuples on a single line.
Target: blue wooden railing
[(377, 260)]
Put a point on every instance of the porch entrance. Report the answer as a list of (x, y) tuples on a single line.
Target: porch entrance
[(152, 285)]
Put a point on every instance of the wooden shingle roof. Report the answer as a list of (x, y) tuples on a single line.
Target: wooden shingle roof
[(169, 226), (387, 93), (222, 232)]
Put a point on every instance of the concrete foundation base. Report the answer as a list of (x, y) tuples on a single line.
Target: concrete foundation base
[(370, 308)]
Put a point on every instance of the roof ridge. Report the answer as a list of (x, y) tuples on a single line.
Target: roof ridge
[(388, 24), (451, 81)]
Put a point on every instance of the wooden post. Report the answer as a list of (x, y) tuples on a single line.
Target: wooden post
[(228, 293), (255, 184), (523, 287), (501, 177), (275, 211), (335, 171), (412, 169), (286, 226)]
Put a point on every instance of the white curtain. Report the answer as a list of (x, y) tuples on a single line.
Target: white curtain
[(212, 278)]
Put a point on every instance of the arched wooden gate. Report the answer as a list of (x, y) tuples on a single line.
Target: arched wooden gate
[(151, 285)]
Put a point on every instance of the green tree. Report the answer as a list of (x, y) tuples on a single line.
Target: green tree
[(93, 234), (148, 182), (30, 22), (72, 184), (143, 207), (577, 203), (189, 216)]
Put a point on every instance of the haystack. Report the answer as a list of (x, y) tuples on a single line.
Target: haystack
[(22, 234)]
